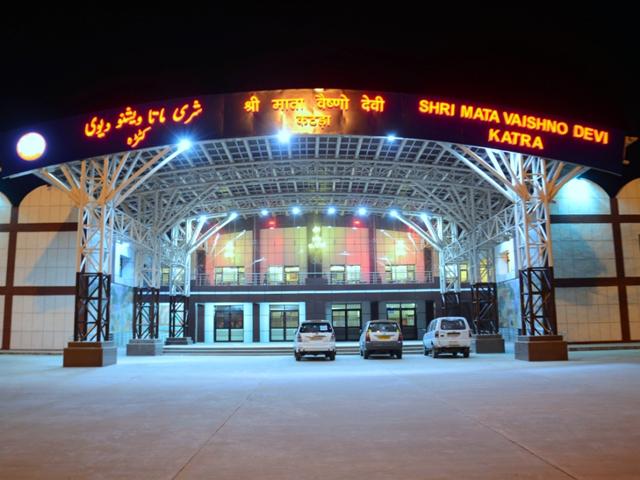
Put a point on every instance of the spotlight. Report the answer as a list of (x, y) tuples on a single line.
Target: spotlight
[(264, 212), (391, 137), (202, 218), (331, 211), (296, 210), (233, 215), (393, 213), (362, 211), (284, 136), (184, 144)]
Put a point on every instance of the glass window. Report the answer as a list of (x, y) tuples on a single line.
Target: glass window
[(383, 327), (337, 274), (464, 272), (229, 275), (283, 322), (456, 324), (315, 327), (292, 275), (353, 273), (400, 273), (275, 275)]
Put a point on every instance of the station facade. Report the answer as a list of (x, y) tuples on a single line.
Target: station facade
[(306, 204), (253, 280)]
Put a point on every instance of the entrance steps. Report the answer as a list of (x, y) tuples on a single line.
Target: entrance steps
[(263, 349)]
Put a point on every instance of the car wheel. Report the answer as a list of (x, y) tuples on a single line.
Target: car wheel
[(434, 352), (365, 355), (455, 354), (426, 352), (297, 355), (332, 357), (361, 353), (399, 355), (466, 353)]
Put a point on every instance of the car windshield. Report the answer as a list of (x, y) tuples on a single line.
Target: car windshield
[(383, 327), (315, 327), (455, 324)]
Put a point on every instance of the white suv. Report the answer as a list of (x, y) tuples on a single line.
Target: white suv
[(315, 337), (447, 335)]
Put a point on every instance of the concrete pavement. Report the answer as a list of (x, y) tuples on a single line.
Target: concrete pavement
[(486, 417)]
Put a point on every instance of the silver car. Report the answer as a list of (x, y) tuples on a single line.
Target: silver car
[(381, 336)]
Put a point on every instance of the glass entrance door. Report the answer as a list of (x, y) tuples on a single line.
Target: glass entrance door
[(283, 322), (228, 323), (347, 321), (405, 315)]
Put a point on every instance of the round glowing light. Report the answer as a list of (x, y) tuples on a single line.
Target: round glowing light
[(202, 218), (362, 211), (331, 210), (296, 210), (233, 215), (31, 146), (391, 137), (264, 212), (284, 136), (184, 144), (394, 213)]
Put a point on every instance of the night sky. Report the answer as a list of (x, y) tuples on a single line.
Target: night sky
[(578, 66)]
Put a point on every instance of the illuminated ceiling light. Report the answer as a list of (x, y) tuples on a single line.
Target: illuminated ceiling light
[(233, 216), (391, 137), (264, 212), (331, 211), (202, 218), (316, 229), (393, 213), (31, 146), (184, 144), (424, 217), (362, 211), (296, 210), (284, 136)]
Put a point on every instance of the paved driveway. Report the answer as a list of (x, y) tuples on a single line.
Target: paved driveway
[(487, 417)]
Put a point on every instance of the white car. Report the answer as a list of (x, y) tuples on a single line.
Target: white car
[(447, 335), (381, 336), (315, 337)]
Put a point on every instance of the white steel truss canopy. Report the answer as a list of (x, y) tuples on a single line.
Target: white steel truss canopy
[(310, 171), (154, 190)]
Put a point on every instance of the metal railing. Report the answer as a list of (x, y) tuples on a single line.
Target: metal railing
[(313, 278)]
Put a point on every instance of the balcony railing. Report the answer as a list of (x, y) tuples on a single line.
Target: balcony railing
[(315, 278)]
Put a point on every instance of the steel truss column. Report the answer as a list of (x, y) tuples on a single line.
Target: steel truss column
[(531, 183), (146, 308), (184, 239), (179, 283), (537, 301), (444, 238), (92, 307), (96, 187), (484, 301), (485, 308), (178, 317), (534, 247)]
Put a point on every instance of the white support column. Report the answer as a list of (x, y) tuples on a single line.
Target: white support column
[(185, 238), (443, 237), (96, 187)]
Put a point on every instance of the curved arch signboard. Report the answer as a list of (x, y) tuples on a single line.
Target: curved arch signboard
[(309, 111)]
